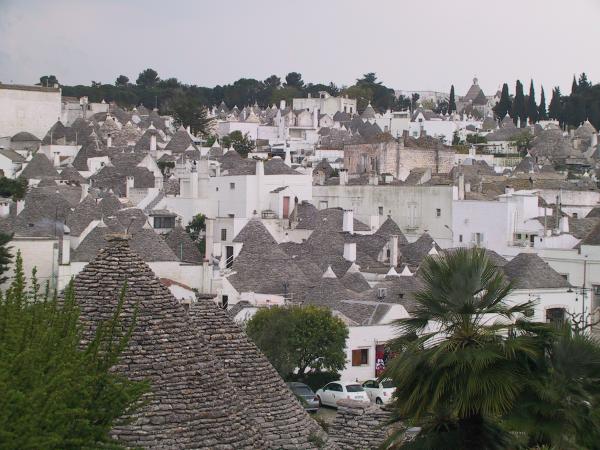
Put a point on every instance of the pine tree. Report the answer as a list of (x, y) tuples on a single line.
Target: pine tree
[(504, 105), (584, 83), (519, 111), (542, 113), (555, 107), (532, 110), (451, 101)]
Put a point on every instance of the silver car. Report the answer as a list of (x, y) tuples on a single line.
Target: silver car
[(305, 395)]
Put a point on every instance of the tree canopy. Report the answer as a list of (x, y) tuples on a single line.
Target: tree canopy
[(299, 338)]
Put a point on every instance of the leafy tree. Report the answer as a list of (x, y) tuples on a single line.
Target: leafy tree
[(240, 142), (542, 113), (273, 82), (294, 79), (48, 81), (414, 98), (299, 338), (455, 379), (121, 81), (147, 78), (503, 107), (188, 111), (523, 141), (555, 107), (584, 84), (14, 188), (532, 108), (476, 139), (57, 388), (452, 101), (196, 229), (519, 110), (169, 83)]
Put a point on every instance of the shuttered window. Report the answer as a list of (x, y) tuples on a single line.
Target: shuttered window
[(360, 357)]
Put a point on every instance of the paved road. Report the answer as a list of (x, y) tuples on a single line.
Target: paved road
[(326, 413)]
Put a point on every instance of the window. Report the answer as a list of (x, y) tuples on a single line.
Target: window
[(232, 186), (323, 204), (460, 238), (438, 212), (360, 357), (164, 222), (223, 234), (381, 210), (555, 315), (369, 384), (224, 301), (335, 387), (478, 238), (575, 216), (354, 388)]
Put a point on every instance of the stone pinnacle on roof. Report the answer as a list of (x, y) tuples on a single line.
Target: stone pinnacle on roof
[(192, 402), (329, 273)]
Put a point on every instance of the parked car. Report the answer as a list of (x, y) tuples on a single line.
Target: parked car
[(305, 394), (338, 390), (379, 392)]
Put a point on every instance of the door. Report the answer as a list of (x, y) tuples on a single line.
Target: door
[(228, 256), (286, 207), (335, 392)]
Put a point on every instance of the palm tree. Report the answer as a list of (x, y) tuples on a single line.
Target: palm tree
[(560, 405), (463, 356)]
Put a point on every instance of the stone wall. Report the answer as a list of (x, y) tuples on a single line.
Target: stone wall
[(395, 158), (360, 425)]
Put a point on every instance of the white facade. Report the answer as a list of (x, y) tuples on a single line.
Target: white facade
[(416, 209), (326, 104), (28, 108)]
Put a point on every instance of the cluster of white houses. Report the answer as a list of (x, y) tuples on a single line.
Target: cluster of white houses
[(333, 208)]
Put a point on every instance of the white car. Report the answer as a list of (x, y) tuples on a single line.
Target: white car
[(379, 392), (339, 390)]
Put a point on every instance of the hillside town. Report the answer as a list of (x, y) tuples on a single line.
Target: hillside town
[(284, 264)]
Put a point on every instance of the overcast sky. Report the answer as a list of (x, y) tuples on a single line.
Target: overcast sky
[(418, 45)]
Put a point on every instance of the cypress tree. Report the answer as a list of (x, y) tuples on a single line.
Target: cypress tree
[(504, 105), (542, 113), (574, 86), (554, 109), (519, 111), (451, 101), (532, 110)]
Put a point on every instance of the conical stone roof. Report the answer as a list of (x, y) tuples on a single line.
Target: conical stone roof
[(283, 421), (192, 402)]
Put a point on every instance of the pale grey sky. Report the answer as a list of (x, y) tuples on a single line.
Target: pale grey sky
[(419, 45)]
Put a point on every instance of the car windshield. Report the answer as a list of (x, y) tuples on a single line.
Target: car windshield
[(387, 384), (302, 390), (354, 388)]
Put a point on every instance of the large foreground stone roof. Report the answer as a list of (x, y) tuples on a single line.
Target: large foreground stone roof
[(192, 402)]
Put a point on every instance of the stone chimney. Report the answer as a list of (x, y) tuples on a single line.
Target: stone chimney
[(594, 141), (208, 247), (461, 186), (348, 221), (343, 177), (109, 141), (373, 179), (393, 244), (288, 157), (509, 190), (194, 181), (56, 159), (66, 246), (129, 184), (153, 142), (4, 208), (564, 224), (85, 189), (350, 251), (282, 104)]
